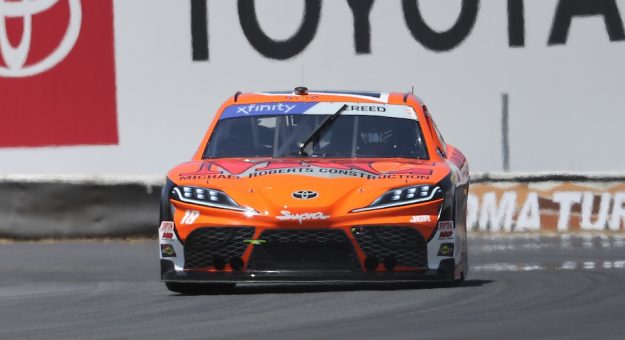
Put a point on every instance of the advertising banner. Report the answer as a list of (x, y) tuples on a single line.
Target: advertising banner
[(57, 73), (547, 206), (116, 87)]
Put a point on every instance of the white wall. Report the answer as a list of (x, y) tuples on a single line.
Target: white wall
[(566, 101)]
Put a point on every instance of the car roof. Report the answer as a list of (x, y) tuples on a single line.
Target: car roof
[(326, 96)]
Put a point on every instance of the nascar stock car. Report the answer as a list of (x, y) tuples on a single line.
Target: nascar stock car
[(319, 186)]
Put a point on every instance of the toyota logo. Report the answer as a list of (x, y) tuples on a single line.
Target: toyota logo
[(15, 57), (305, 194)]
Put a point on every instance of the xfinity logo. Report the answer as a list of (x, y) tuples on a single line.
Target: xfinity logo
[(15, 57), (288, 216), (304, 194), (252, 108)]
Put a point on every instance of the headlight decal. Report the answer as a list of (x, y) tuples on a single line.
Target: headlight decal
[(404, 196), (207, 197)]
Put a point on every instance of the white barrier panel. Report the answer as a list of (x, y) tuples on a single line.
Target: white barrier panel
[(129, 87)]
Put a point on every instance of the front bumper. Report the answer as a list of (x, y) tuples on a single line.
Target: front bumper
[(357, 254)]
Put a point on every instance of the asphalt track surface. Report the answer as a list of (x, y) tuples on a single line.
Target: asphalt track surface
[(522, 287)]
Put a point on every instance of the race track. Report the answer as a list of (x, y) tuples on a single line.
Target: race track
[(522, 287)]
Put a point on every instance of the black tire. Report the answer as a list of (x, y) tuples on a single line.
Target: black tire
[(460, 280), (185, 288)]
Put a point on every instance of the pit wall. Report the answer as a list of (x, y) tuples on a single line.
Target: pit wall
[(33, 207)]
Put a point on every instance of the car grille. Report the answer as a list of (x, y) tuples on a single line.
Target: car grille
[(305, 236), (406, 245), (316, 249), (207, 243)]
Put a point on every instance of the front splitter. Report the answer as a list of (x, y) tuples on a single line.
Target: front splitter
[(169, 274)]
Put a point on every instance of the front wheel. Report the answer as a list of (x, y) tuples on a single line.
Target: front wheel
[(460, 280), (185, 288)]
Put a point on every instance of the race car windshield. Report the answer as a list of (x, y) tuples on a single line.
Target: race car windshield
[(349, 136)]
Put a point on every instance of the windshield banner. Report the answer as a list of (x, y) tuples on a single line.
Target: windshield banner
[(319, 108)]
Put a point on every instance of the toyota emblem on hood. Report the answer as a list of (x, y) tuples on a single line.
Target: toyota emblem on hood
[(305, 194)]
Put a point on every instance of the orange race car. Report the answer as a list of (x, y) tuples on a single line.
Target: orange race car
[(320, 186)]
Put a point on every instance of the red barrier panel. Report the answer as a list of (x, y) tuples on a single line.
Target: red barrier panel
[(57, 73)]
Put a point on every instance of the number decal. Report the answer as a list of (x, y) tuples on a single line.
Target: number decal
[(190, 216)]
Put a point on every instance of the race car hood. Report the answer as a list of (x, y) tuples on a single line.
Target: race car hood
[(338, 185)]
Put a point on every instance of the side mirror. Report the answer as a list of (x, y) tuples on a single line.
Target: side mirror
[(441, 153)]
